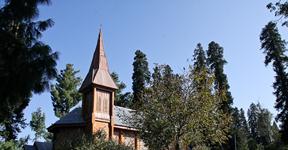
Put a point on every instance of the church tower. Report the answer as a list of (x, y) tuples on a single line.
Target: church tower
[(98, 90)]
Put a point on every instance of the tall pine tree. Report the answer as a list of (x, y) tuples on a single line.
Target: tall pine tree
[(64, 93), (208, 102), (239, 130), (140, 77), (253, 112), (27, 64), (216, 62), (274, 49)]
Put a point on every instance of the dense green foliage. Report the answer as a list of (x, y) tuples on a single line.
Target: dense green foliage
[(274, 49), (14, 144), (98, 142), (182, 109), (121, 99), (262, 132), (212, 123), (64, 93), (27, 64), (240, 131), (37, 124), (10, 145), (140, 77), (216, 62), (164, 117)]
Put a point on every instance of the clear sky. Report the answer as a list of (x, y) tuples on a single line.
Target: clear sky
[(167, 31)]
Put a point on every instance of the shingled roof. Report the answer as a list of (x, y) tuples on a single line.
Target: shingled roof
[(74, 117)]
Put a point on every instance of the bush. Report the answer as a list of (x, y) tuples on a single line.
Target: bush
[(10, 145), (98, 142)]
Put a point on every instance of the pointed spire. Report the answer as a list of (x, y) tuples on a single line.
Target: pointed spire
[(99, 71), (99, 58)]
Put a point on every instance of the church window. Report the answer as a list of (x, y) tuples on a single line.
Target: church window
[(102, 105)]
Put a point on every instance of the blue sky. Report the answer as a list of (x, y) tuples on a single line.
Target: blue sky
[(167, 31)]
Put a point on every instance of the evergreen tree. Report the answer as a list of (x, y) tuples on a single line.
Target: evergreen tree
[(243, 131), (37, 124), (64, 93), (121, 99), (27, 64), (274, 49), (280, 9), (264, 126), (275, 133), (243, 122), (216, 62), (239, 130), (199, 59), (261, 132), (140, 77), (208, 104), (253, 112)]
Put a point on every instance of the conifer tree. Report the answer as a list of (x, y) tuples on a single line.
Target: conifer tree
[(264, 126), (275, 132), (121, 99), (280, 9), (243, 123), (253, 112), (208, 103), (37, 124), (243, 131), (239, 136), (216, 62), (274, 49), (140, 77), (239, 133), (27, 64), (199, 59), (261, 132), (64, 93)]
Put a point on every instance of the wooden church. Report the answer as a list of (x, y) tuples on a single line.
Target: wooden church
[(97, 110)]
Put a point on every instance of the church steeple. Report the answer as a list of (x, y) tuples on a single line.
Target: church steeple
[(99, 71)]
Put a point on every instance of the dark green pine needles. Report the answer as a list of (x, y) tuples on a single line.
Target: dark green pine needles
[(274, 49)]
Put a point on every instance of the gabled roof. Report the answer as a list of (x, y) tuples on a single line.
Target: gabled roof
[(74, 117), (99, 71)]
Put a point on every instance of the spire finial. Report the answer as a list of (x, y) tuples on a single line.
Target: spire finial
[(100, 30)]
